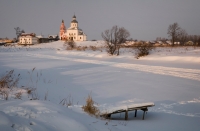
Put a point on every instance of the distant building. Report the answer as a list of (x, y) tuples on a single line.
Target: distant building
[(176, 43), (160, 42), (73, 32), (152, 42), (169, 42), (41, 39), (6, 40), (2, 42), (40, 36), (129, 42), (189, 43), (53, 37), (28, 39)]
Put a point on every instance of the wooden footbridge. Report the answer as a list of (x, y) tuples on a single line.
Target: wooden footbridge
[(133, 107)]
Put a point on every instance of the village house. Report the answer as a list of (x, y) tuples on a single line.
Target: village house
[(42, 39), (28, 39), (6, 40), (53, 37), (73, 32)]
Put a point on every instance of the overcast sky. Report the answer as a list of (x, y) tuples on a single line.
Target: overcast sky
[(144, 19)]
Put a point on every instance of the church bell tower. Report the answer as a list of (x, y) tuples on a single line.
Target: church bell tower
[(62, 30)]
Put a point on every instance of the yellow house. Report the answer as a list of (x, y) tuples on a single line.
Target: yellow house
[(28, 39)]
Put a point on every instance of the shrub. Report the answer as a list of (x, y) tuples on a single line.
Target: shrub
[(67, 101), (4, 92), (94, 48), (29, 91), (142, 49), (7, 83), (18, 95), (80, 48), (9, 80), (90, 107), (32, 93), (70, 44)]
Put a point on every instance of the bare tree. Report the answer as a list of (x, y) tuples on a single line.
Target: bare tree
[(114, 38), (123, 36), (183, 36), (173, 32), (142, 49), (198, 41), (110, 38), (195, 39), (19, 32)]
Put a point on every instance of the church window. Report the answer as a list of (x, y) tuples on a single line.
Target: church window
[(80, 37), (74, 37)]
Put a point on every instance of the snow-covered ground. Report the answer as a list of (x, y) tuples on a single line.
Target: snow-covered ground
[(169, 77)]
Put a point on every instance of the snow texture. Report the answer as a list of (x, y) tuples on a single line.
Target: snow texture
[(168, 77)]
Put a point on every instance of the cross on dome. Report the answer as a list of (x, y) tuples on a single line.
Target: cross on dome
[(74, 16)]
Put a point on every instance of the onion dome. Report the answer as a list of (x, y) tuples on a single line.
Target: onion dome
[(74, 19)]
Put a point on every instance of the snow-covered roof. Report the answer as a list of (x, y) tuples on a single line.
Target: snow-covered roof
[(39, 36), (160, 42), (169, 42), (53, 36), (28, 34)]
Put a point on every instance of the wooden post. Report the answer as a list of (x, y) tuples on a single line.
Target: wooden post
[(135, 113), (126, 115), (143, 114)]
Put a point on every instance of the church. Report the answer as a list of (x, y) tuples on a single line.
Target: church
[(73, 32)]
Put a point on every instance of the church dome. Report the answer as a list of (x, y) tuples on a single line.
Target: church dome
[(74, 21)]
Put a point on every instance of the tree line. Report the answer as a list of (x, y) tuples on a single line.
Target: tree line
[(116, 36), (177, 34)]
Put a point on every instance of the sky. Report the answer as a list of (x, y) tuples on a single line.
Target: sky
[(144, 19)]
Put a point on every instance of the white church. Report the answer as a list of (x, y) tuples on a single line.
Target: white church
[(73, 32)]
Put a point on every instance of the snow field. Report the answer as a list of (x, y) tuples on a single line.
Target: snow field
[(168, 77)]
